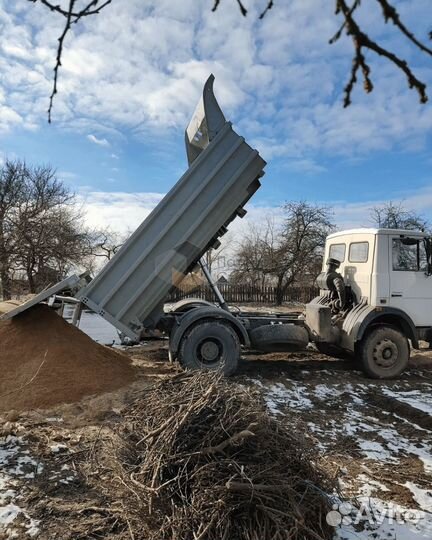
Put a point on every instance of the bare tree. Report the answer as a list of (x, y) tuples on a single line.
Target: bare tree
[(55, 242), (12, 185), (301, 246), (41, 232), (286, 254), (252, 264), (350, 26), (393, 215), (106, 243)]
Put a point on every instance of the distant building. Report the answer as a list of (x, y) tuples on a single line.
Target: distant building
[(222, 280)]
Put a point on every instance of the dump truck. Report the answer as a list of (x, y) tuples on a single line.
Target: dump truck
[(375, 295)]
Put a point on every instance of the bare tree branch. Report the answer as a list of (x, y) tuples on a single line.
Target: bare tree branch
[(361, 41), (390, 14), (72, 17), (243, 9), (59, 55), (350, 25), (90, 9), (270, 4)]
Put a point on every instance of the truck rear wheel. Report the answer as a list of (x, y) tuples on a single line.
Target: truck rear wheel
[(210, 345), (384, 353)]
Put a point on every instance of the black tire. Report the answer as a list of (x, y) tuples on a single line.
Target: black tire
[(210, 345), (384, 353), (279, 337), (332, 350)]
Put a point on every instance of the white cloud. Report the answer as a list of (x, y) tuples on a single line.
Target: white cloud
[(348, 215), (121, 211), (125, 211), (278, 79), (9, 118), (101, 142)]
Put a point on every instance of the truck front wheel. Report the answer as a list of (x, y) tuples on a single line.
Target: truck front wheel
[(384, 353), (210, 345)]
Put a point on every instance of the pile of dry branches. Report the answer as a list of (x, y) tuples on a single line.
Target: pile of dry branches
[(199, 458)]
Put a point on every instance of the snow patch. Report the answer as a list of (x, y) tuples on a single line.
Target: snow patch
[(57, 448), (423, 497), (295, 398), (415, 398), (16, 465), (383, 520), (375, 450)]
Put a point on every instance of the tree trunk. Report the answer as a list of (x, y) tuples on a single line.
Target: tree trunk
[(5, 284), (31, 282), (4, 265), (279, 292)]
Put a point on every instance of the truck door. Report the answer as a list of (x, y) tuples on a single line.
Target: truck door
[(410, 287)]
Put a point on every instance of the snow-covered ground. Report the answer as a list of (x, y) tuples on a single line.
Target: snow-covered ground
[(21, 472), (17, 465), (384, 456), (376, 434)]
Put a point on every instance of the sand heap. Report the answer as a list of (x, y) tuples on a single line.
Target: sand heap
[(45, 361)]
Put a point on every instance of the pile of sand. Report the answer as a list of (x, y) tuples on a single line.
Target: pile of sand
[(45, 361)]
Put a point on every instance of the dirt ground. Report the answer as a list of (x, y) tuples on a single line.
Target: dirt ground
[(375, 436)]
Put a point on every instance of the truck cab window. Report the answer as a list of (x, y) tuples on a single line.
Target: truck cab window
[(358, 252), (409, 255), (337, 251)]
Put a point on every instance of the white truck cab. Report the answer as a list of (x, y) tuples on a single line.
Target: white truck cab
[(387, 299), (389, 267)]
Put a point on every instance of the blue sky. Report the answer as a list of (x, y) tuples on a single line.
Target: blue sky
[(132, 76)]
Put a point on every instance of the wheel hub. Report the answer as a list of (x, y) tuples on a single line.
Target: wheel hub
[(209, 351), (385, 353)]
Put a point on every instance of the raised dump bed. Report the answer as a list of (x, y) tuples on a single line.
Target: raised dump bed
[(223, 174)]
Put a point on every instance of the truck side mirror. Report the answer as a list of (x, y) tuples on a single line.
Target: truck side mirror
[(406, 241)]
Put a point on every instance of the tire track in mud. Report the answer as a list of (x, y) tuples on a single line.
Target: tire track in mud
[(380, 445), (395, 407)]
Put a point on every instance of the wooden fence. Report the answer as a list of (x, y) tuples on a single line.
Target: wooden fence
[(246, 294)]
